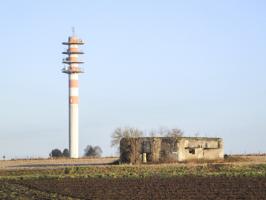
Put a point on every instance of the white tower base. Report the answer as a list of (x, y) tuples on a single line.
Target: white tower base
[(73, 131)]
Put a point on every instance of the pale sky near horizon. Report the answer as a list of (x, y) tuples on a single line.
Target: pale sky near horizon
[(196, 65)]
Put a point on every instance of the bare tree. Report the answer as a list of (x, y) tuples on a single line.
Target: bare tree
[(153, 133), (176, 132), (165, 132), (126, 132), (197, 134)]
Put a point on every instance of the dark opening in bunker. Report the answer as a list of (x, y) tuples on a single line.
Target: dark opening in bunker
[(192, 151)]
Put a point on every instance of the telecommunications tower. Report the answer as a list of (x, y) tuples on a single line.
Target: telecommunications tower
[(72, 69)]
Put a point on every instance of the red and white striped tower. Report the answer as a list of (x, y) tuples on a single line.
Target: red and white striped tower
[(73, 70)]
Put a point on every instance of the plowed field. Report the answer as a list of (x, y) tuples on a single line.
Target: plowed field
[(186, 187)]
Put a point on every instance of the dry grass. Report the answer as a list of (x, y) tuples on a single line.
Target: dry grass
[(64, 162), (54, 163)]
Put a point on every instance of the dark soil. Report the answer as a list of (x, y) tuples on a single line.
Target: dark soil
[(193, 187), (10, 191)]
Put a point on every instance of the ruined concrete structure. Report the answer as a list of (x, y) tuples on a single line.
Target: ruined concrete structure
[(165, 149)]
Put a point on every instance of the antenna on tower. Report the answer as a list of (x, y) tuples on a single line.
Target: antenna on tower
[(73, 31)]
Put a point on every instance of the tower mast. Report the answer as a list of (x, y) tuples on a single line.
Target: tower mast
[(73, 70)]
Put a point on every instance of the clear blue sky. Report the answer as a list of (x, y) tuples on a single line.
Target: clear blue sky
[(196, 65)]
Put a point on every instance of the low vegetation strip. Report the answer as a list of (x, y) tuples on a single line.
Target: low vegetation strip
[(135, 171)]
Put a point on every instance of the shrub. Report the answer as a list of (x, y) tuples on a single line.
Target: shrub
[(66, 153), (56, 153), (91, 151)]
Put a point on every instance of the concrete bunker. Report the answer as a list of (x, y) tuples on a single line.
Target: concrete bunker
[(167, 149)]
